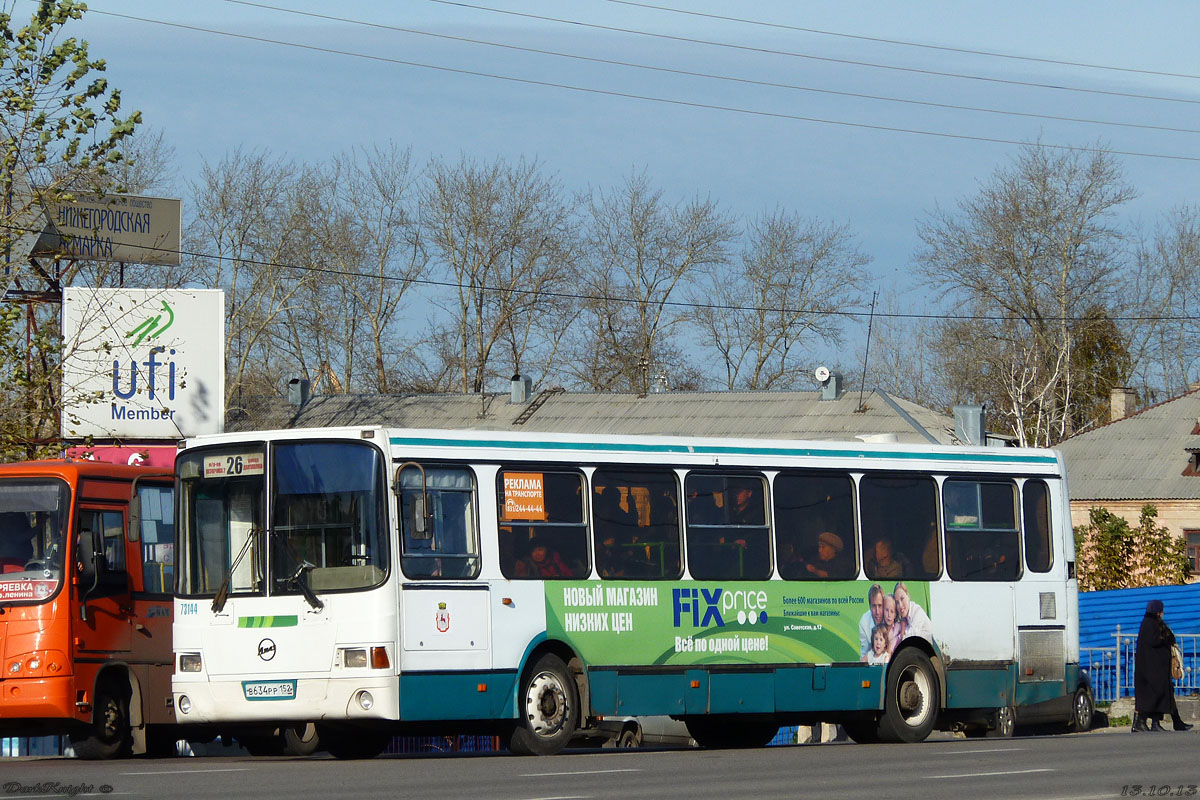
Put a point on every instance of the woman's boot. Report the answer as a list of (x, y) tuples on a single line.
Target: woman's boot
[(1139, 723), (1156, 725)]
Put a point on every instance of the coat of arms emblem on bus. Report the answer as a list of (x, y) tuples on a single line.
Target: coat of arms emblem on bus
[(442, 617)]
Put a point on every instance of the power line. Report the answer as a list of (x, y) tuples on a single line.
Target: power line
[(609, 298), (708, 75), (793, 54), (903, 43), (631, 96)]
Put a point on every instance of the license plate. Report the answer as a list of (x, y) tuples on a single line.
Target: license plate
[(269, 690)]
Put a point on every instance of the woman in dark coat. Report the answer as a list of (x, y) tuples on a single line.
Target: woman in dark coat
[(1152, 690)]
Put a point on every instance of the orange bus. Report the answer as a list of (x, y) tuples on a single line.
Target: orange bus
[(86, 563)]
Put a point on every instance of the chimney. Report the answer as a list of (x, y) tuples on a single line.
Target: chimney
[(968, 424), (831, 387), (298, 391), (1121, 400), (522, 388)]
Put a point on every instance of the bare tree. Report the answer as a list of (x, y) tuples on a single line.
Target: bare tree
[(642, 255), (504, 234), (785, 294), (247, 237), (1028, 258), (1165, 344), (367, 246)]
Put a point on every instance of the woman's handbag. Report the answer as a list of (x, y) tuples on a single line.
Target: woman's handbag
[(1176, 662)]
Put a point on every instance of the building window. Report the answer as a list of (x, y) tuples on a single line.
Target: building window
[(1193, 548)]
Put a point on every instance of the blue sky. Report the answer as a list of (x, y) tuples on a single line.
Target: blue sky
[(210, 94)]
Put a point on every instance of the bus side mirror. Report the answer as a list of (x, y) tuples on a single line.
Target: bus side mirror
[(420, 520)]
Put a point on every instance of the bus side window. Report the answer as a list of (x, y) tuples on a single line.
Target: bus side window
[(902, 509), (733, 543), (982, 540), (635, 524), (448, 547), (1036, 505), (814, 525), (157, 537), (543, 533)]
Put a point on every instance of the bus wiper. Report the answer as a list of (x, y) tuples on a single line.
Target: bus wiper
[(299, 580), (218, 603)]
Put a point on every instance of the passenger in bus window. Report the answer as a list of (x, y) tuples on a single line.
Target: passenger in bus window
[(829, 561), (881, 649), (745, 505), (883, 564), (916, 621), (871, 617), (542, 562)]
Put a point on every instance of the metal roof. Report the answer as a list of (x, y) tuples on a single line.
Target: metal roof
[(779, 415), (1140, 457)]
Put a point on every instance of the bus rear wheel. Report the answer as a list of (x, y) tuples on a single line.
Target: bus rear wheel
[(910, 704), (109, 736), (548, 707)]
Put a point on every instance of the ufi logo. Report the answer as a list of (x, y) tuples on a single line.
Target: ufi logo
[(704, 607)]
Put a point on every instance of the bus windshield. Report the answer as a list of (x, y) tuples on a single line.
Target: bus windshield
[(327, 517), (327, 529), (221, 507), (33, 518)]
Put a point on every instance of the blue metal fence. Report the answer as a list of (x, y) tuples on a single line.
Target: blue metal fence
[(1111, 668)]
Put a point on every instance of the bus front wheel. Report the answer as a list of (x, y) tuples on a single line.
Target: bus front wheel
[(548, 707), (910, 703), (109, 735)]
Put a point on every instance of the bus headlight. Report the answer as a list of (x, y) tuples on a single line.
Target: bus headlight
[(14, 667), (185, 704), (365, 700), (354, 657), (190, 662)]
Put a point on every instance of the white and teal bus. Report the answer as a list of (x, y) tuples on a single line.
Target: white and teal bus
[(379, 581)]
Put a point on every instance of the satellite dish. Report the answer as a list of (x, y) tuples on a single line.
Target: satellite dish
[(821, 374)]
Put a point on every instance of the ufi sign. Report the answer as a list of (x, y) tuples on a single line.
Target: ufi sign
[(143, 363)]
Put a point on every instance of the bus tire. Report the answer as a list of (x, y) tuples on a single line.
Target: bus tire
[(301, 739), (1004, 722), (910, 704), (547, 708), (109, 735)]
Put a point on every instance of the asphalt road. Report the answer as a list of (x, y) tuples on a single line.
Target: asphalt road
[(1065, 767)]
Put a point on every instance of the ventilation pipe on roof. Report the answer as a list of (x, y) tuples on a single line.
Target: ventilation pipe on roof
[(831, 385), (298, 391), (968, 425), (1121, 400), (522, 388)]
